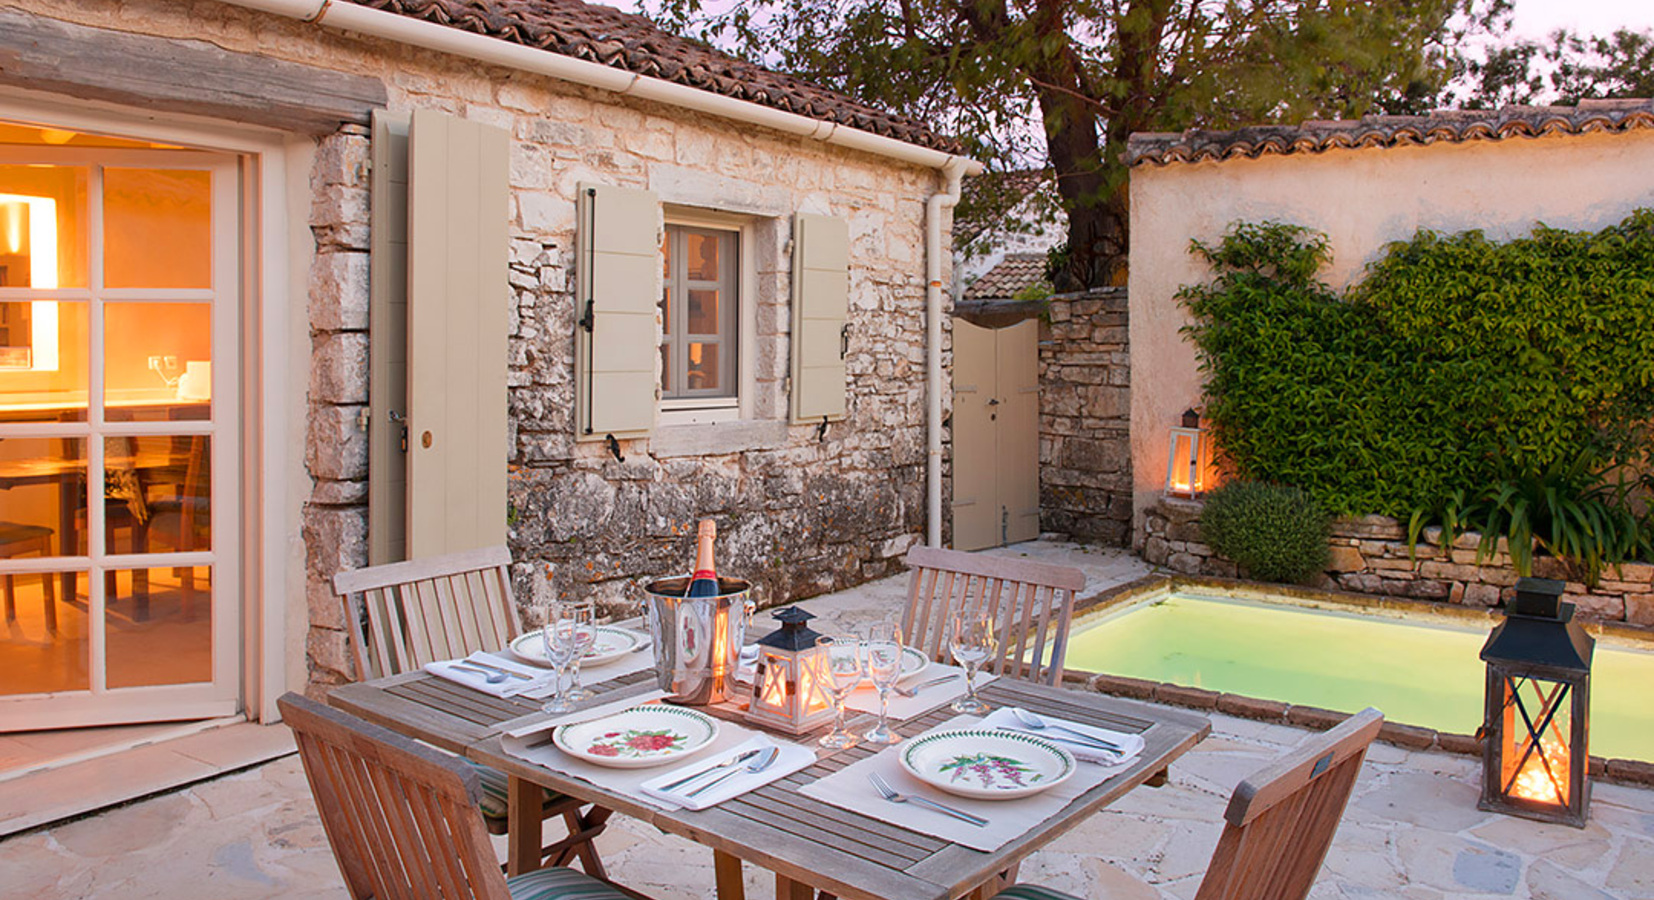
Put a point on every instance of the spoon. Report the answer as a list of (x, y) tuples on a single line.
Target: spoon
[(763, 761), (732, 761), (1035, 723), (489, 676)]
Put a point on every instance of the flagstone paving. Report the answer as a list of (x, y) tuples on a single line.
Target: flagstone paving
[(1412, 831)]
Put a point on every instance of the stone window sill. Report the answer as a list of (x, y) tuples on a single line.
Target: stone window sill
[(717, 439)]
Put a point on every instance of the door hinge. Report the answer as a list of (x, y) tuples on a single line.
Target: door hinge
[(589, 320), (844, 341)]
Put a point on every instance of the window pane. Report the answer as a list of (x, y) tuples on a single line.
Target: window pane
[(703, 312), (158, 493), (43, 222), (157, 361), (44, 345), (665, 367), (703, 368), (157, 228), (43, 492), (666, 310), (702, 250), (45, 649), (158, 625)]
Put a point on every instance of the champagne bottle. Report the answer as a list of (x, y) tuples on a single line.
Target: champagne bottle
[(704, 583)]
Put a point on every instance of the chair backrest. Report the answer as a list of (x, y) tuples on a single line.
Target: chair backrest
[(1281, 820), (403, 615), (1032, 601), (402, 818)]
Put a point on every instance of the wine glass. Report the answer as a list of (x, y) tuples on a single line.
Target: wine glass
[(972, 638), (557, 637), (881, 655), (582, 632), (840, 661)]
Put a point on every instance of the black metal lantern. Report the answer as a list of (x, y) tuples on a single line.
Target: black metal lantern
[(1534, 731)]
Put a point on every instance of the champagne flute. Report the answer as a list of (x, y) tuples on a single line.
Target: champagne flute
[(882, 656), (557, 638), (972, 638), (840, 659), (582, 632)]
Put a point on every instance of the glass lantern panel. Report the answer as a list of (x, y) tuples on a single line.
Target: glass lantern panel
[(813, 685), (1183, 465), (1537, 729), (774, 695)]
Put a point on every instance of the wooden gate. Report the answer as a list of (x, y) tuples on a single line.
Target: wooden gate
[(995, 434)]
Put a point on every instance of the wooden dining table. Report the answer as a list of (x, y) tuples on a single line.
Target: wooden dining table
[(808, 844)]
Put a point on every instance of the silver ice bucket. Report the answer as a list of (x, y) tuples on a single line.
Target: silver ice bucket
[(698, 640)]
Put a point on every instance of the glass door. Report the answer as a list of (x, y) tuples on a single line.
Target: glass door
[(119, 467)]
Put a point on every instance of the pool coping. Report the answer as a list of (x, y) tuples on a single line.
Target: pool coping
[(1407, 737)]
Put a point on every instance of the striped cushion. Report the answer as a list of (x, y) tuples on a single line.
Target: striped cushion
[(559, 883), (494, 803), (1031, 892)]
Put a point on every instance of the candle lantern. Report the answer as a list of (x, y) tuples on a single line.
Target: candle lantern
[(1188, 458), (1534, 731), (789, 683)]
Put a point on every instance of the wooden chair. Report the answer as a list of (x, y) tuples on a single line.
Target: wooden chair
[(1033, 602), (17, 539), (402, 818), (1280, 821), (404, 615)]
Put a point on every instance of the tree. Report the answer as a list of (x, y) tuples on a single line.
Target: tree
[(1071, 80), (1564, 69)]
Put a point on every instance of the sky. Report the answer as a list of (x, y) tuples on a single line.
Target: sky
[(1537, 18)]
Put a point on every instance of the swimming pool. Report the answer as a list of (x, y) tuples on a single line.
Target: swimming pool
[(1419, 668)]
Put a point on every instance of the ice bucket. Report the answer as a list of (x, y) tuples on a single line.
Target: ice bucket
[(698, 639)]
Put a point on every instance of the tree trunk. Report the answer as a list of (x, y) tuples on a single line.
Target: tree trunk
[(1093, 190)]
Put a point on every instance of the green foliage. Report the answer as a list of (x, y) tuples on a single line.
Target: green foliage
[(1457, 364), (1274, 532), (1035, 292), (1565, 68)]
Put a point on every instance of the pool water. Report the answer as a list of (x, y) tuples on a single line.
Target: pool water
[(1419, 672)]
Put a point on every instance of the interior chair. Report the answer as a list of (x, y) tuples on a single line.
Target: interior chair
[(184, 517), (404, 615), (17, 539), (1032, 601), (1280, 821), (402, 817)]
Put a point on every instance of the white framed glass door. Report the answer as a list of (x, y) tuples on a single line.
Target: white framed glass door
[(119, 460)]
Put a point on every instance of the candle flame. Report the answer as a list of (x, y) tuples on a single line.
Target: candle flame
[(1534, 782)]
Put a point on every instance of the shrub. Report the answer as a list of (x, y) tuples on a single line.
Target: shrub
[(1274, 532)]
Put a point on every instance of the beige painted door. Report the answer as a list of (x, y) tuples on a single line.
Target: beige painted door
[(995, 434)]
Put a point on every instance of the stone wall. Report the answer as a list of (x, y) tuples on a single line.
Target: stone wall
[(1370, 555), (1085, 418), (800, 512)]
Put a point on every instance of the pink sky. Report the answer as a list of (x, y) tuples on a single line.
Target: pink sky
[(1537, 18)]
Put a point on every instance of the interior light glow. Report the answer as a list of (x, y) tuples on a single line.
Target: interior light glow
[(42, 275)]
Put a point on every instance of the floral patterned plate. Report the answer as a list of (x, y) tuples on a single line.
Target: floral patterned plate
[(986, 764), (643, 736)]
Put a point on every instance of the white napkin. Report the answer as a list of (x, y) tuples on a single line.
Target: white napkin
[(790, 758), (1008, 819), (510, 687), (866, 697), (1130, 744)]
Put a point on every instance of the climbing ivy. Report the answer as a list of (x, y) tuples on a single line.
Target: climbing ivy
[(1457, 363)]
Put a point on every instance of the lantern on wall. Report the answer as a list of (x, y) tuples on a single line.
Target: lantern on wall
[(790, 688), (1534, 731), (1188, 458)]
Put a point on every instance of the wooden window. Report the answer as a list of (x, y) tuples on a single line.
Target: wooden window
[(700, 315)]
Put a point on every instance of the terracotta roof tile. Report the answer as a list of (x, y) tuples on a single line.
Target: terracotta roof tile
[(1004, 281), (1446, 126), (609, 37)]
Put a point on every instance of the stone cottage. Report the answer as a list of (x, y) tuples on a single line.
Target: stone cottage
[(324, 282)]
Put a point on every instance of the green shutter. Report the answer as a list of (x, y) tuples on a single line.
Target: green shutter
[(618, 283), (821, 292), (458, 299)]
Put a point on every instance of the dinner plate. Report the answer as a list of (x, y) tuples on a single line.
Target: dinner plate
[(986, 764), (643, 736), (612, 643), (913, 662)]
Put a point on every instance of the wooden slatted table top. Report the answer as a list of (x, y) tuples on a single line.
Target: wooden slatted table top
[(776, 826)]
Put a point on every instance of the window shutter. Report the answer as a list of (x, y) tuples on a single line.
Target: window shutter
[(458, 299), (821, 295), (618, 283), (388, 341)]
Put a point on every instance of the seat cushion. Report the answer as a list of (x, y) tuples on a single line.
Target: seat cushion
[(559, 883), (1031, 892), (494, 803)]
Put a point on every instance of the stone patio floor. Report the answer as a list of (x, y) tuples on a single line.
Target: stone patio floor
[(1411, 831)]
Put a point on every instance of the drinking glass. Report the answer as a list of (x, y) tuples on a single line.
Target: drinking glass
[(582, 632), (882, 658), (557, 636), (972, 639), (840, 657)]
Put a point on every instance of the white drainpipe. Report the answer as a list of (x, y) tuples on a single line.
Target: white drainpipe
[(432, 36), (949, 196)]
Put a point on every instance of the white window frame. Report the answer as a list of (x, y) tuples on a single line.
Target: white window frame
[(715, 410)]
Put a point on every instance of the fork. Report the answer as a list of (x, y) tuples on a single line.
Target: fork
[(914, 691), (890, 793)]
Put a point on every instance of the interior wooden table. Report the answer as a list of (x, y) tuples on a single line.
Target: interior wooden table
[(809, 845)]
